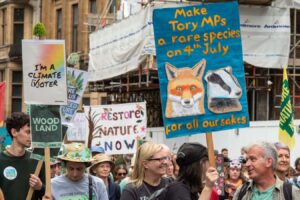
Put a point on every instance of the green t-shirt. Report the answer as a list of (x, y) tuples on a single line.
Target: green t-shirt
[(265, 195)]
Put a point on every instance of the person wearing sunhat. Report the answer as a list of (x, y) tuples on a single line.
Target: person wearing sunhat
[(102, 166), (75, 183), (195, 178)]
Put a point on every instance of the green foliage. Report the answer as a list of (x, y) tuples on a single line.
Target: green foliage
[(39, 30)]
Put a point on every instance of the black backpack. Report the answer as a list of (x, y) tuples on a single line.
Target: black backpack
[(287, 190)]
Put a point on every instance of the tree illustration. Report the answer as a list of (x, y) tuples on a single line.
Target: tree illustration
[(93, 129)]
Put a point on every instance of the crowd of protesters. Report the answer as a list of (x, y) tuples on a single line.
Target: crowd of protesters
[(263, 171)]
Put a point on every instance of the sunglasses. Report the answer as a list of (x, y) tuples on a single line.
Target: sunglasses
[(160, 159), (121, 174)]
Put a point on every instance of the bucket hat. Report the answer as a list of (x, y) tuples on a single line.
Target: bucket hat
[(75, 152), (100, 158), (189, 153)]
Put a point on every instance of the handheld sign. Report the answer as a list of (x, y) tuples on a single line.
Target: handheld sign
[(44, 72), (46, 128), (76, 81), (200, 66), (116, 127)]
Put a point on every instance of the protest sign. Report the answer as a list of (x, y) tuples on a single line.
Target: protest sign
[(76, 81), (116, 127), (39, 154), (46, 128), (77, 131), (44, 72), (5, 139), (200, 66)]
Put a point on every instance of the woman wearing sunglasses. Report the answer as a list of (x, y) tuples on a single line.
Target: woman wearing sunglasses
[(150, 166), (120, 173)]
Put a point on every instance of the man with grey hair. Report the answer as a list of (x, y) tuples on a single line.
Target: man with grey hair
[(261, 165)]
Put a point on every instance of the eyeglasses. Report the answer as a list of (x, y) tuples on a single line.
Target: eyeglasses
[(166, 158), (121, 174)]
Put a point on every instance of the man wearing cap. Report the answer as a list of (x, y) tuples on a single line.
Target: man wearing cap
[(261, 165), (97, 150), (76, 184), (16, 166), (101, 167)]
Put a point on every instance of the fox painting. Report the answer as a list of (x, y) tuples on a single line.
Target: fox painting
[(185, 90)]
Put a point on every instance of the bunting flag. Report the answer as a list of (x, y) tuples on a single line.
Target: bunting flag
[(2, 94), (286, 121)]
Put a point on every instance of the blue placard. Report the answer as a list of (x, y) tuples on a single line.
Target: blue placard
[(200, 66)]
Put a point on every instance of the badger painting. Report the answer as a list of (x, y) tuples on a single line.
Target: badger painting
[(223, 91)]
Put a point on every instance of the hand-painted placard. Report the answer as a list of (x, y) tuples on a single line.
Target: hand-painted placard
[(200, 66), (116, 127), (46, 128), (76, 81), (44, 72)]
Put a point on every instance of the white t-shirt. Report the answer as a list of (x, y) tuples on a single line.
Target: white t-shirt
[(65, 189)]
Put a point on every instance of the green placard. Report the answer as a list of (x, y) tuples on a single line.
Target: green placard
[(46, 128)]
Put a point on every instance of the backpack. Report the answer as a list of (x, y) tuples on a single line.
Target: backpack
[(287, 190)]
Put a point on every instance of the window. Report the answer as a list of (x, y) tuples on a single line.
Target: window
[(58, 23), (113, 7), (74, 27), (3, 26), (1, 75), (93, 6), (18, 25), (16, 91), (86, 101)]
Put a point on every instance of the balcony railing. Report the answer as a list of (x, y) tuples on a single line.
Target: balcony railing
[(10, 51)]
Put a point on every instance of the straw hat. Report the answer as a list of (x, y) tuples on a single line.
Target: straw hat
[(100, 158), (75, 152)]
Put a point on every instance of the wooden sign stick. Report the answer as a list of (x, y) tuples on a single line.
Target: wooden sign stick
[(36, 173), (210, 149), (47, 169)]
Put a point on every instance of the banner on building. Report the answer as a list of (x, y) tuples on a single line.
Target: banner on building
[(200, 66), (78, 129), (2, 100), (76, 81), (45, 124), (116, 127), (44, 72), (266, 35), (118, 48)]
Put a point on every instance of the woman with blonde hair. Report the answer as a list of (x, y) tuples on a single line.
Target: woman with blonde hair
[(150, 166)]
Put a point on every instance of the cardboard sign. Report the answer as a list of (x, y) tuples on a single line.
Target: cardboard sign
[(200, 66), (116, 127), (46, 128), (76, 81), (44, 72)]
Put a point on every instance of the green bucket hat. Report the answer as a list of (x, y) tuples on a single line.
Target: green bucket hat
[(75, 152)]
